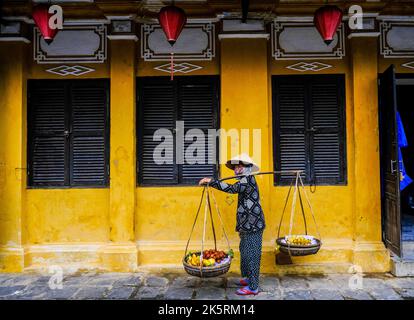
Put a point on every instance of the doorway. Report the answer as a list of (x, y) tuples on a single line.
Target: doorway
[(396, 114), (405, 108)]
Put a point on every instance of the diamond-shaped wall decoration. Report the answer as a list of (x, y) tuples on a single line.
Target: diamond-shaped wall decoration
[(409, 65), (183, 67), (70, 70), (309, 66)]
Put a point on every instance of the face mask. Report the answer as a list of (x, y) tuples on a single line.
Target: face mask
[(244, 171)]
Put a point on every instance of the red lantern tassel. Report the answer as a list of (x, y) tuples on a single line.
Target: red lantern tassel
[(172, 66)]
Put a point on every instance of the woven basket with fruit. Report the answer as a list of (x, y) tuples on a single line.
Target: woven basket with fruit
[(298, 245), (302, 244), (213, 263)]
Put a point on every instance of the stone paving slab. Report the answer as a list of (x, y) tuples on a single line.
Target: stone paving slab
[(180, 286)]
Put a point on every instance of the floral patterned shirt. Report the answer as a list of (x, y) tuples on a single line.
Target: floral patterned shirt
[(250, 216)]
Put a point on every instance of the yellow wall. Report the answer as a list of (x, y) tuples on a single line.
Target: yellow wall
[(12, 155), (124, 226)]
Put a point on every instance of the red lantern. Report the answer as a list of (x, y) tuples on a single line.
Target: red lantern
[(41, 17), (327, 20), (172, 20)]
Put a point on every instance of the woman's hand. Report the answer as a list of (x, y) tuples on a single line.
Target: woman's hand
[(204, 181)]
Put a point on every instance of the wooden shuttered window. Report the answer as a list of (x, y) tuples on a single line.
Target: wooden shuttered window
[(162, 102), (68, 133), (309, 128)]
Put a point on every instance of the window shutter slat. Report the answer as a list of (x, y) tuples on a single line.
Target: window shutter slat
[(193, 172), (48, 108), (46, 126), (89, 114), (157, 109), (326, 119), (158, 101), (326, 156), (325, 106), (48, 160), (152, 171), (291, 123), (291, 106), (197, 106)]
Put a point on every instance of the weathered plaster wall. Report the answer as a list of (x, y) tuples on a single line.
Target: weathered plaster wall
[(123, 226)]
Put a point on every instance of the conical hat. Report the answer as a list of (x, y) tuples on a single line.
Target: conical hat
[(243, 159)]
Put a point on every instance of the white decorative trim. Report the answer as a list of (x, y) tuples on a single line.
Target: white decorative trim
[(293, 19), (85, 22), (189, 20), (244, 36), (18, 39), (395, 18), (125, 17), (123, 37), (183, 67), (363, 34), (391, 43), (290, 51), (70, 70), (409, 65), (54, 53), (236, 25), (19, 18), (309, 66), (196, 42)]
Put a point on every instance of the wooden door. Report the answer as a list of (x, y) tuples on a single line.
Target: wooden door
[(390, 173)]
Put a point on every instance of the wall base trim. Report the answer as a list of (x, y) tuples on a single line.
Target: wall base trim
[(335, 256)]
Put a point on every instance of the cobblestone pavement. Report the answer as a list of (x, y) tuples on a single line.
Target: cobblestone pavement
[(146, 285)]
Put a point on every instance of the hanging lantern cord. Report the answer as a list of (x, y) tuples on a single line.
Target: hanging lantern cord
[(172, 66)]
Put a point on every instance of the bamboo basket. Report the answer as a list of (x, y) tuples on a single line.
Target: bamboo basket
[(207, 272), (210, 271), (295, 249)]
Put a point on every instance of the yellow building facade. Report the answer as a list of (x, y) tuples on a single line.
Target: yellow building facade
[(126, 226)]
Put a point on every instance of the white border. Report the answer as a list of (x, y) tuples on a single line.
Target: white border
[(339, 53), (18, 39), (99, 57), (123, 37), (244, 36), (211, 52), (363, 34)]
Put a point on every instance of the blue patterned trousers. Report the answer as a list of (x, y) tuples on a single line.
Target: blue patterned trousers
[(250, 255)]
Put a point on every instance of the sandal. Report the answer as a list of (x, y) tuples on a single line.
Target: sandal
[(242, 282), (246, 291)]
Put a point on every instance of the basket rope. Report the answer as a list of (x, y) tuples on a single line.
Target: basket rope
[(297, 193), (207, 209)]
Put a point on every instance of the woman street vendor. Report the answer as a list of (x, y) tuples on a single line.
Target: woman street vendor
[(250, 219)]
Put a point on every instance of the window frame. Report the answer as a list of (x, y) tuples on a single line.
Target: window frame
[(140, 127), (31, 83), (342, 132)]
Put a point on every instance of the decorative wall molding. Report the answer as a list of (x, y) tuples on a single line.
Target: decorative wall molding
[(235, 25), (15, 31), (184, 67), (309, 66), (301, 40), (75, 44), (397, 39), (363, 35), (196, 42), (70, 70), (409, 65), (244, 36)]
